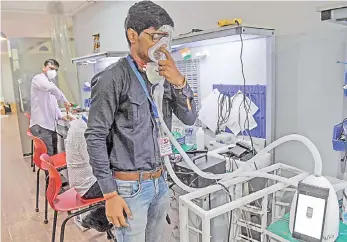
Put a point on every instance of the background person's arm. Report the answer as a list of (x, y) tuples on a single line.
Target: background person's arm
[(59, 115), (44, 85)]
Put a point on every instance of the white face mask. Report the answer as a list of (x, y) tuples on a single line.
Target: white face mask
[(51, 74)]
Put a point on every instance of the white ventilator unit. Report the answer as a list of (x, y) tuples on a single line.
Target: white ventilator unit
[(314, 214)]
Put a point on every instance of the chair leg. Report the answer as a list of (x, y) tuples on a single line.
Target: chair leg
[(54, 225), (32, 154), (111, 236), (46, 201), (62, 231), (37, 189)]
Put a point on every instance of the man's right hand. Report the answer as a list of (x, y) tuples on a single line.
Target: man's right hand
[(114, 211), (67, 105)]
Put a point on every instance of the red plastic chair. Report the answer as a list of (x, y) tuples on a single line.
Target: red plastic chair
[(58, 160), (67, 201), (32, 143)]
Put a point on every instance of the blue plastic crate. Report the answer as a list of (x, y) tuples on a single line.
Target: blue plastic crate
[(338, 145)]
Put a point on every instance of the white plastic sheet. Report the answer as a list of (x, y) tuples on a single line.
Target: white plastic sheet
[(239, 112)]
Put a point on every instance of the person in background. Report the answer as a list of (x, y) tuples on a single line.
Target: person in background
[(132, 176), (44, 106), (81, 176)]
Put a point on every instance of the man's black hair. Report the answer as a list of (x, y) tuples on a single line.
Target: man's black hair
[(146, 14), (52, 62)]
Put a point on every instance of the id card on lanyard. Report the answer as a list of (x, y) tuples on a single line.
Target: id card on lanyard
[(164, 142)]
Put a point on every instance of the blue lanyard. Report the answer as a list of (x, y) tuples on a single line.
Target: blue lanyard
[(143, 84)]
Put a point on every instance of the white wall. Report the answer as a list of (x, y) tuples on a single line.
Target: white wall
[(308, 80), (28, 24), (309, 94), (107, 18), (7, 91)]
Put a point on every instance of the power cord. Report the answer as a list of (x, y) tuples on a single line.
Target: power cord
[(224, 113), (225, 104), (249, 233), (223, 117), (245, 104), (231, 213)]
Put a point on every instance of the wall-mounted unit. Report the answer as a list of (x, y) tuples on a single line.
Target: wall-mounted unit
[(215, 62), (334, 13)]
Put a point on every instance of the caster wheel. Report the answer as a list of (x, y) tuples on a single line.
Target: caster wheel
[(37, 210), (45, 221)]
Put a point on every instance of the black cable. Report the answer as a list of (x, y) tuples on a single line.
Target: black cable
[(223, 117), (224, 100), (209, 201), (247, 109), (231, 216), (255, 165), (171, 185)]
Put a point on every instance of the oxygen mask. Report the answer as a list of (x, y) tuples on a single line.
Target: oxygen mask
[(155, 55)]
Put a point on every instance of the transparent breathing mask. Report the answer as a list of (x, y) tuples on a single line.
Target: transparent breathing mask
[(156, 55)]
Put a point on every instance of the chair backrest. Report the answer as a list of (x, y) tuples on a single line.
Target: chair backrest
[(54, 183), (39, 149), (28, 116)]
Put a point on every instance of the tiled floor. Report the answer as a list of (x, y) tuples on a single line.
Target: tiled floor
[(19, 221)]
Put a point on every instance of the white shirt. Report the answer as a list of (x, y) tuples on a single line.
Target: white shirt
[(79, 170), (44, 106)]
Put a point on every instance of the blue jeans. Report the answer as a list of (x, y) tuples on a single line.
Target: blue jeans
[(148, 202)]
